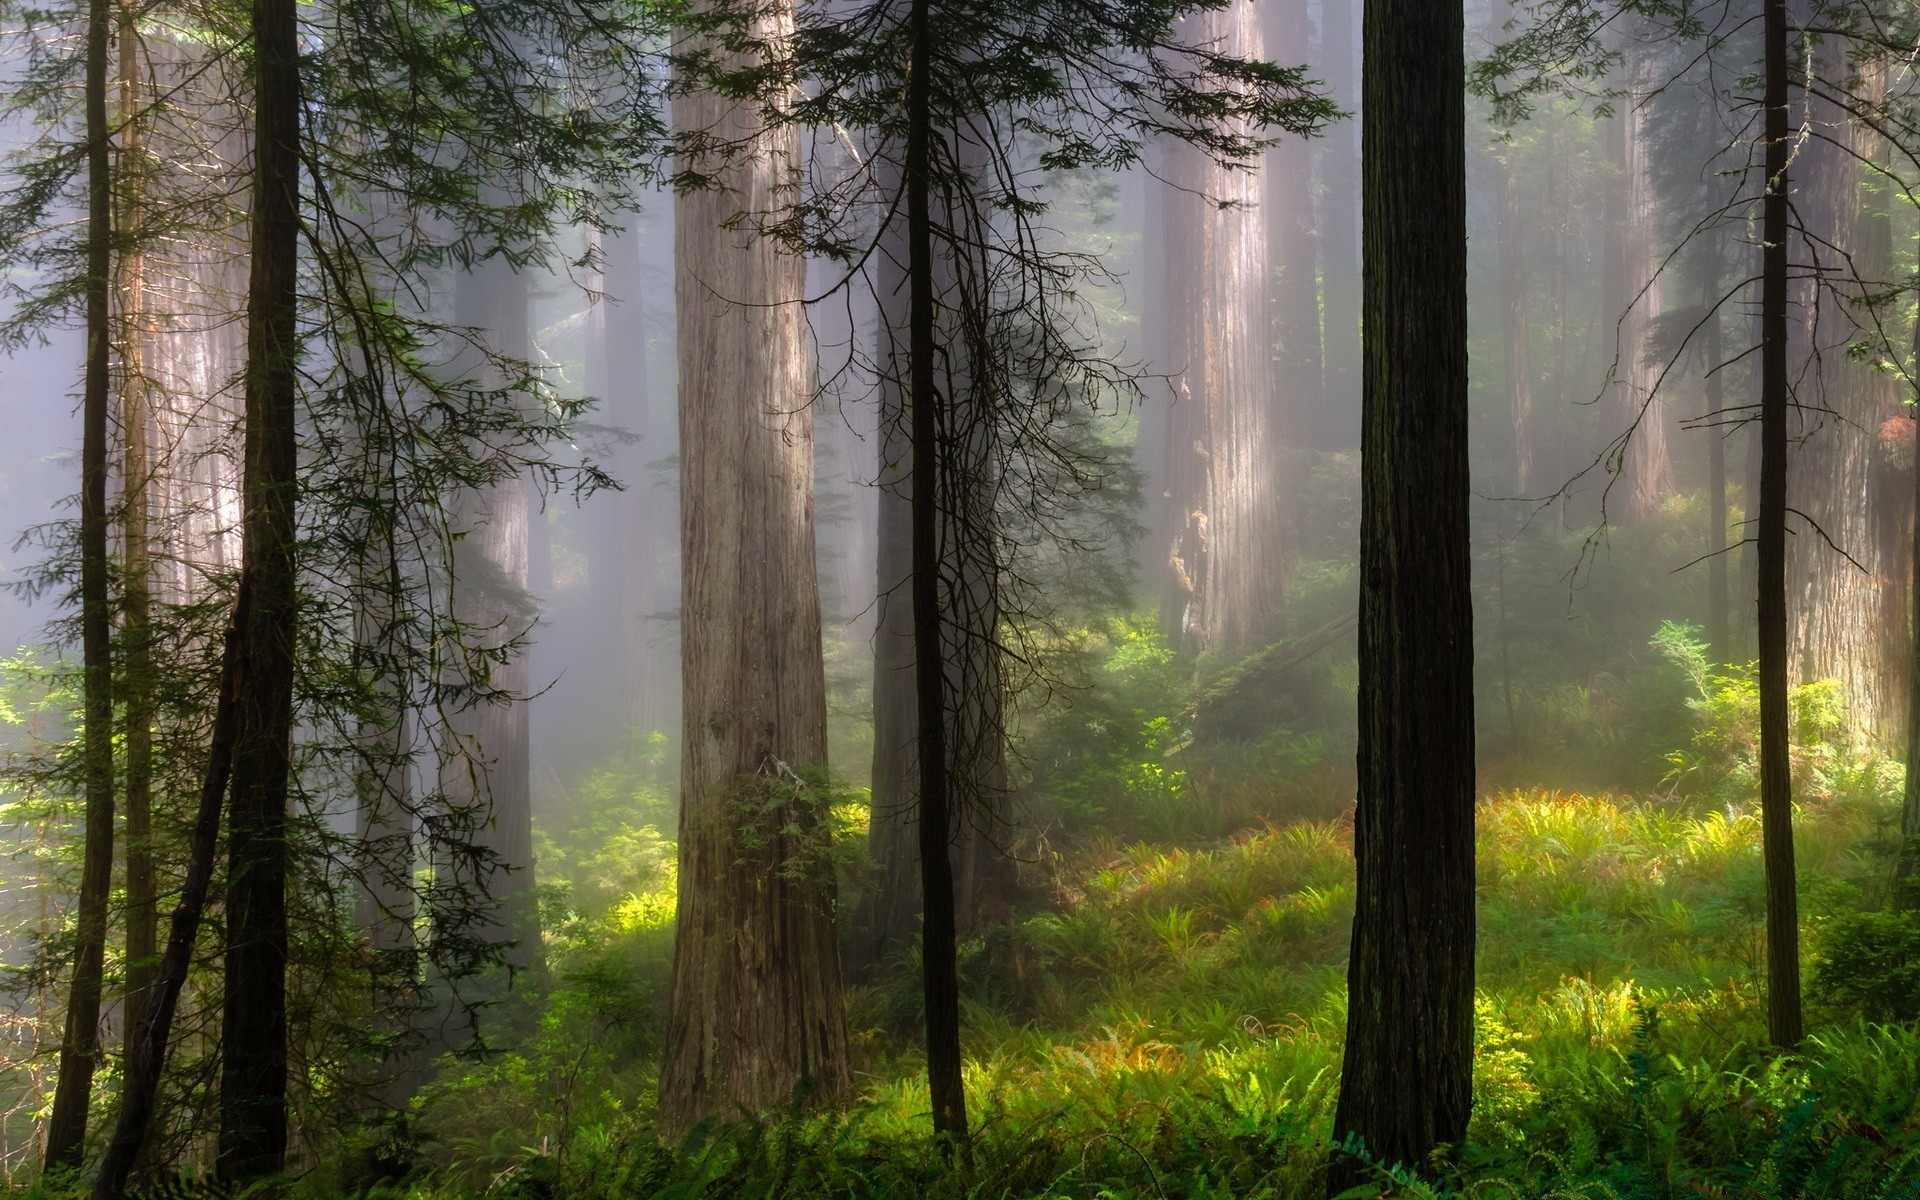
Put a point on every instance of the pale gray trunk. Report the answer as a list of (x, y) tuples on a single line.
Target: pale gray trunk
[(1223, 578)]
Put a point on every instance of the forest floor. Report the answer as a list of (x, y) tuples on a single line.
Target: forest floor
[(1168, 1023)]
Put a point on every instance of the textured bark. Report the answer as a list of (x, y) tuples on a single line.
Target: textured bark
[(80, 1043), (143, 910), (1909, 855), (1223, 583), (1848, 618), (1633, 297), (253, 1052), (1776, 772), (939, 973), (754, 1013), (489, 779), (147, 1058), (1293, 249), (1339, 428), (1406, 1080)]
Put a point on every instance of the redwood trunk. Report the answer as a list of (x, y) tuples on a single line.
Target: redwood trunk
[(253, 1052), (754, 1014), (1776, 778), (1406, 1080), (80, 1044), (1223, 581)]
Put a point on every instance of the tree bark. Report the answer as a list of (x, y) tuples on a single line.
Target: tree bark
[(1293, 250), (754, 1013), (147, 1057), (1633, 299), (1848, 610), (253, 1081), (489, 780), (1339, 427), (1776, 778), (969, 615), (939, 968), (1224, 582), (1712, 351), (137, 482), (80, 1043), (1406, 1081)]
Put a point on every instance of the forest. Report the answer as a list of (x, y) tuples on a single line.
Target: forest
[(1086, 599)]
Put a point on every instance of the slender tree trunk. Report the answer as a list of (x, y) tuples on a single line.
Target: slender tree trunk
[(253, 1052), (754, 1013), (147, 1057), (79, 1047), (1713, 352), (1406, 1081), (143, 908), (937, 948), (975, 741), (1776, 778), (1909, 855)]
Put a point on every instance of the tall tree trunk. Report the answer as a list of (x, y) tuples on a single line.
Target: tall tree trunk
[(489, 779), (1909, 855), (1224, 581), (80, 1044), (385, 903), (976, 742), (137, 475), (1713, 353), (253, 1051), (1848, 610), (1340, 233), (939, 968), (754, 1012), (147, 1057), (1633, 299), (1776, 772), (1293, 250), (1516, 338), (1406, 1081)]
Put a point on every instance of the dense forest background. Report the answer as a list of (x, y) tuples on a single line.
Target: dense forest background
[(753, 598)]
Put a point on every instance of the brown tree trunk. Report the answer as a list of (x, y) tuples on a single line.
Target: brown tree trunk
[(1406, 1081), (137, 482), (1848, 616), (754, 1014), (1223, 582), (1713, 353), (1633, 297), (1909, 856), (1776, 772), (80, 1044), (976, 750), (1293, 250), (147, 1056), (253, 1052)]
